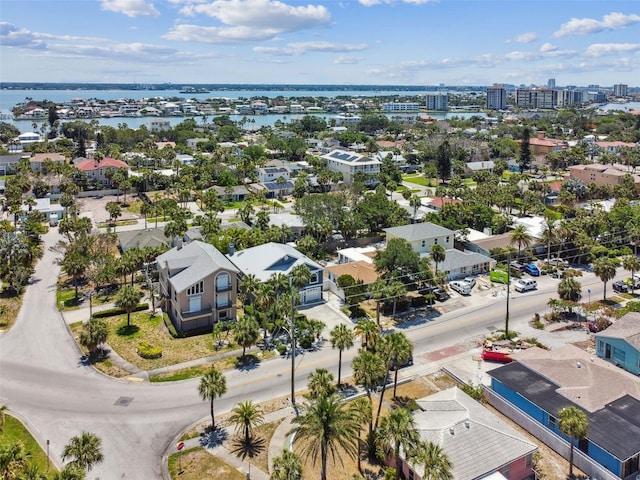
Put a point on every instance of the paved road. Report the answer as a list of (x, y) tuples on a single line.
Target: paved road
[(44, 380)]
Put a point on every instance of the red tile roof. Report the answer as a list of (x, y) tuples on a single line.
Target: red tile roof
[(91, 165)]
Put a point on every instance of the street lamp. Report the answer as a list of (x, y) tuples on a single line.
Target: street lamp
[(47, 455), (91, 293)]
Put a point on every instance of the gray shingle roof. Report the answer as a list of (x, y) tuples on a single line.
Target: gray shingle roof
[(419, 231), (456, 259), (476, 441), (270, 258), (626, 328), (193, 262)]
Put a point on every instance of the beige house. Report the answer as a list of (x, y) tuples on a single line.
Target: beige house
[(39, 160), (601, 174), (198, 285)]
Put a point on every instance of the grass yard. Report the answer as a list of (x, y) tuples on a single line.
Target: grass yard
[(14, 431), (418, 180), (103, 364), (9, 308), (66, 298), (197, 464)]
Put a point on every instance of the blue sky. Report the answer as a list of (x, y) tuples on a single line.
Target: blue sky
[(390, 42)]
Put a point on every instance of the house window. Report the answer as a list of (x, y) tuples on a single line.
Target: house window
[(447, 240), (314, 278), (223, 281), (600, 346), (222, 315), (435, 241), (424, 243), (552, 422), (196, 289)]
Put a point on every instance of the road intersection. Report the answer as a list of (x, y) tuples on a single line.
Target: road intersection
[(44, 380)]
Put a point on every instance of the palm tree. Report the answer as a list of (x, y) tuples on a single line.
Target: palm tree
[(246, 416), (415, 202), (85, 450), (286, 467), (548, 236), (573, 422), (369, 333), (605, 269), (13, 459), (520, 236), (395, 349), (325, 427), (321, 383), (569, 289), (398, 429), (437, 465), (631, 263), (438, 255), (394, 290), (341, 337), (300, 275), (248, 287), (213, 384), (361, 409), (368, 372), (127, 299), (94, 333), (70, 472), (246, 332)]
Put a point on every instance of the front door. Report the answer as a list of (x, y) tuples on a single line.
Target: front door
[(607, 350)]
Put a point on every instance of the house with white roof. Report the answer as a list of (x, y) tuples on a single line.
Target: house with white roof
[(198, 285), (351, 164), (477, 442), (272, 258)]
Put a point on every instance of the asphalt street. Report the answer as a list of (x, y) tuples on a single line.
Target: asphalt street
[(43, 379)]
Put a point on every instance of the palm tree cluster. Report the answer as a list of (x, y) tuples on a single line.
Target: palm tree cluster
[(328, 429)]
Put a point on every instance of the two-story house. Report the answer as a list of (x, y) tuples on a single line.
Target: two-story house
[(198, 285), (268, 259), (98, 170), (351, 164), (457, 263)]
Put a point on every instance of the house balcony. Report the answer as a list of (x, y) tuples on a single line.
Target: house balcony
[(224, 288), (204, 311), (224, 305)]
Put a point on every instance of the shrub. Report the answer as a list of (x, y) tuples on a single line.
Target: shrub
[(420, 301), (281, 349), (111, 312), (148, 351)]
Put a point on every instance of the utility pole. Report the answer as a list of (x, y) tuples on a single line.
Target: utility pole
[(506, 318), (293, 348)]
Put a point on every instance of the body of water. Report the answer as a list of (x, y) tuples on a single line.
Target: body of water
[(10, 98)]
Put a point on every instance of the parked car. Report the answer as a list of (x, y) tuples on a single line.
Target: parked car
[(524, 285), (439, 294), (470, 280), (461, 287), (517, 266), (531, 269), (620, 286), (408, 363)]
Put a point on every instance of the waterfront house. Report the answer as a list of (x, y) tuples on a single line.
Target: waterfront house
[(198, 285)]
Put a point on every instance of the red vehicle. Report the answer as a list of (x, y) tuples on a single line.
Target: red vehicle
[(500, 352)]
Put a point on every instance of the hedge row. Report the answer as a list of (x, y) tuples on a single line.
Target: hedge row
[(148, 351), (110, 312)]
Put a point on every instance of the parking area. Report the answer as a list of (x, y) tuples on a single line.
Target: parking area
[(95, 208)]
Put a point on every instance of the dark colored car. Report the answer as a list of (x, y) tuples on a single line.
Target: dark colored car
[(408, 363), (620, 286), (438, 293)]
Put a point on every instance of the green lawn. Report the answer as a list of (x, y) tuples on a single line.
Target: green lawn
[(14, 431), (66, 299), (418, 180)]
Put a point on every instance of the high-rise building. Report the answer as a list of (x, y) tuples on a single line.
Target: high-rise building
[(620, 90), (496, 97), (551, 83), (437, 101), (545, 98)]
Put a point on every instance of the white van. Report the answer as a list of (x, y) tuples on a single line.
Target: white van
[(524, 285), (461, 287)]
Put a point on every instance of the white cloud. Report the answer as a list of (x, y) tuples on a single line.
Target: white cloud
[(526, 37), (347, 60), (13, 36), (247, 20), (300, 48), (548, 47), (131, 8), (584, 26), (371, 3), (602, 49)]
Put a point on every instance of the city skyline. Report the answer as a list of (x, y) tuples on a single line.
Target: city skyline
[(380, 42)]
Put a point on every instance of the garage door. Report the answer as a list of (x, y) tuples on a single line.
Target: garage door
[(313, 295)]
